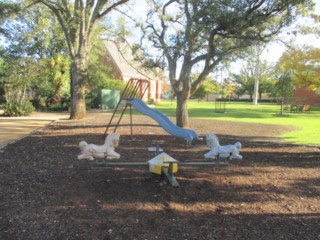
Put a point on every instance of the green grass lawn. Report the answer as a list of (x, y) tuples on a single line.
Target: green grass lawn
[(308, 124)]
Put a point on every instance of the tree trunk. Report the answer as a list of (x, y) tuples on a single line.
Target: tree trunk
[(182, 118), (78, 100), (256, 89), (256, 76), (281, 107)]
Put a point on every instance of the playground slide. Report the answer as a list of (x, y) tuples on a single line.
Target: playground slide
[(163, 120)]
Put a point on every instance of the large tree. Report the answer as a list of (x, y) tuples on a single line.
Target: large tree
[(304, 64), (199, 34), (79, 20)]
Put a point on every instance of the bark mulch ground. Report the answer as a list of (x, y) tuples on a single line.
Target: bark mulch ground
[(46, 193)]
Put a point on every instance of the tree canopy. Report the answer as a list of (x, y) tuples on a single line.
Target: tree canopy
[(7, 10), (34, 42), (79, 21), (304, 64), (193, 34)]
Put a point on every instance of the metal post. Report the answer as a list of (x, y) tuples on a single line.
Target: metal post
[(168, 172), (202, 164), (145, 164), (131, 119), (118, 164)]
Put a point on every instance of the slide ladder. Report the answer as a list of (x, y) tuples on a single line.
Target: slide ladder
[(135, 88)]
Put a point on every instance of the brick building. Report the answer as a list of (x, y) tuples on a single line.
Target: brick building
[(121, 60)]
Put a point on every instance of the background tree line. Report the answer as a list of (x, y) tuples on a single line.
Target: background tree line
[(35, 62), (52, 46)]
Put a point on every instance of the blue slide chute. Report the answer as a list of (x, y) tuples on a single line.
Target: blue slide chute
[(163, 120)]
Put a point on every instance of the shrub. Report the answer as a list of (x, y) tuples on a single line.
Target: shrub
[(16, 109), (56, 107), (151, 101)]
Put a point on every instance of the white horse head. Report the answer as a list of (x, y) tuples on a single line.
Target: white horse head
[(112, 140), (212, 140)]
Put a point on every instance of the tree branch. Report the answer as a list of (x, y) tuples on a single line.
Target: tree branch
[(58, 13), (105, 12)]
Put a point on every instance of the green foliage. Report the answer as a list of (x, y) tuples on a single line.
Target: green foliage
[(58, 76), (113, 84), (200, 93), (229, 89), (246, 78), (34, 32), (2, 74), (34, 61), (15, 108), (206, 87), (304, 64), (101, 76), (7, 10), (284, 88), (151, 101), (57, 107), (18, 78)]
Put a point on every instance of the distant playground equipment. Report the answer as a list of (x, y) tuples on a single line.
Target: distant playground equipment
[(161, 163), (132, 96), (220, 106)]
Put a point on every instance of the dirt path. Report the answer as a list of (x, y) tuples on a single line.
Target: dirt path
[(14, 128)]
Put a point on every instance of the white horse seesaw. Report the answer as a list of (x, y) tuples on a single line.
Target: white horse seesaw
[(229, 152), (91, 151)]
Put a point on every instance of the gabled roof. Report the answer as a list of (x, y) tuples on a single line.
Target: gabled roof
[(122, 57)]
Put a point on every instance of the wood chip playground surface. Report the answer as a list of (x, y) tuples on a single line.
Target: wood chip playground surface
[(46, 193)]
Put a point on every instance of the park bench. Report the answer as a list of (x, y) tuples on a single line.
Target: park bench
[(300, 108), (306, 108), (294, 108)]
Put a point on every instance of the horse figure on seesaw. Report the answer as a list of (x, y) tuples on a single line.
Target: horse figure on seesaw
[(228, 152), (91, 151)]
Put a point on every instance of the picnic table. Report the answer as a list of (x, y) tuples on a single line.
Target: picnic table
[(298, 108)]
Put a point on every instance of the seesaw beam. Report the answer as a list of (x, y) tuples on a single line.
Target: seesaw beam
[(121, 164), (145, 164), (167, 169)]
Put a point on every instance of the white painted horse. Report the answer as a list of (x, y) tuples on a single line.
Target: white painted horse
[(229, 152), (91, 151)]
